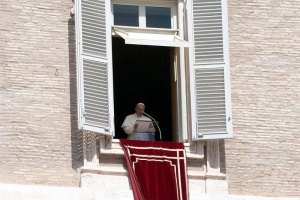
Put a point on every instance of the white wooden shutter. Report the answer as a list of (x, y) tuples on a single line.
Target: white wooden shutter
[(210, 71), (95, 109)]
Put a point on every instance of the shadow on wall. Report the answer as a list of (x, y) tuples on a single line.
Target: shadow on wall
[(222, 156), (76, 135)]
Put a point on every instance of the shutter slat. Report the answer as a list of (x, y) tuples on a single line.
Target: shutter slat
[(210, 99), (208, 32), (96, 105), (93, 27)]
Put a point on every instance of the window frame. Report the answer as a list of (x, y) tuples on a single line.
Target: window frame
[(192, 65), (142, 12)]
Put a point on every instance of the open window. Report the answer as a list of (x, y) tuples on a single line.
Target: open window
[(204, 29), (152, 37), (145, 24)]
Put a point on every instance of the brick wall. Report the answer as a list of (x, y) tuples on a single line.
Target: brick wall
[(263, 158), (38, 139), (39, 143)]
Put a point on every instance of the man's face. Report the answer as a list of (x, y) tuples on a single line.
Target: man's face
[(139, 110)]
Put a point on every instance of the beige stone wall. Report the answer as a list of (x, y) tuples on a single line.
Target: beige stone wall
[(38, 122), (39, 142), (263, 158)]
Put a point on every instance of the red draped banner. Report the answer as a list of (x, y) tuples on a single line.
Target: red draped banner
[(157, 170)]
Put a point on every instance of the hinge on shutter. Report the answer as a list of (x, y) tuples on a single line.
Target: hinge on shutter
[(198, 134), (107, 128), (72, 11)]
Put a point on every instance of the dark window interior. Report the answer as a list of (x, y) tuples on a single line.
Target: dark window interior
[(142, 74)]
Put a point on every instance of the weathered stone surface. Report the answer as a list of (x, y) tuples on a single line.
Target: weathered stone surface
[(263, 158), (39, 140)]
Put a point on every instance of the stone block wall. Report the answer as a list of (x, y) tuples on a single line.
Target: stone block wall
[(39, 143), (263, 158)]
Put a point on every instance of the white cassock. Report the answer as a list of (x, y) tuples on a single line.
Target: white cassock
[(128, 126)]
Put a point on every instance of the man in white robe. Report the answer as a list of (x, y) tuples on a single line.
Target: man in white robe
[(130, 126)]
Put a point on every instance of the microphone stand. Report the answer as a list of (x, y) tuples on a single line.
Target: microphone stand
[(155, 123)]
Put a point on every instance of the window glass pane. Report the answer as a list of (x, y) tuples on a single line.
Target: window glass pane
[(158, 17), (126, 15)]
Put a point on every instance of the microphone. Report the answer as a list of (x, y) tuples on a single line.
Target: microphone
[(154, 122)]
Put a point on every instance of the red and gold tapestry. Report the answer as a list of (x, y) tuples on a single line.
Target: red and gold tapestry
[(157, 170)]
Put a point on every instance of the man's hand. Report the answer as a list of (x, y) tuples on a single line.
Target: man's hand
[(151, 126), (135, 127)]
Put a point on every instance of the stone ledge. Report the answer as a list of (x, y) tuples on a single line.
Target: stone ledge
[(38, 192), (216, 176), (105, 170), (123, 172), (202, 196), (112, 152), (194, 156), (204, 176), (196, 175), (120, 153), (116, 150)]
